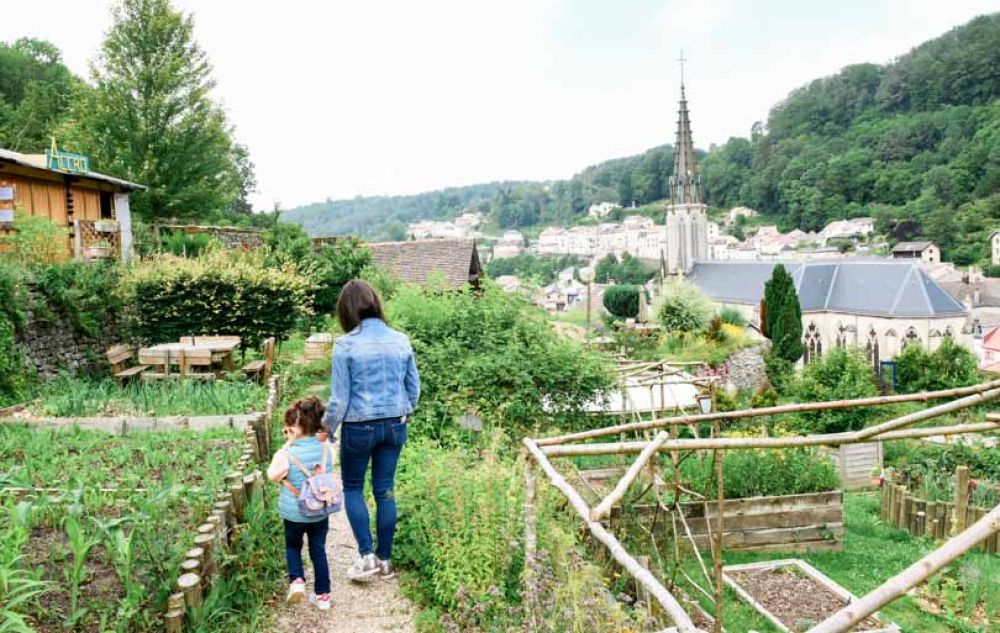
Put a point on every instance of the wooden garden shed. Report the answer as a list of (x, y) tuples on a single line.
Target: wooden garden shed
[(60, 186), (456, 261)]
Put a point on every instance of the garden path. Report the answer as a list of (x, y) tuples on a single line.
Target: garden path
[(378, 607)]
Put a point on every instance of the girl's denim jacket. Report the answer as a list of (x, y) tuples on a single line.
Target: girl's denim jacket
[(374, 376)]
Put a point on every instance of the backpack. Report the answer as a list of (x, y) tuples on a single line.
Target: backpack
[(321, 495)]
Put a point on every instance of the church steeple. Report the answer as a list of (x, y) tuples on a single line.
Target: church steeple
[(685, 184)]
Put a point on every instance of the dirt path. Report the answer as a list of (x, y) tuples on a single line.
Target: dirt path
[(377, 607)]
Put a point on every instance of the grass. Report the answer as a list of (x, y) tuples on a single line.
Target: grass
[(873, 552)]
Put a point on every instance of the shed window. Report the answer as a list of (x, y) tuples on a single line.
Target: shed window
[(107, 210)]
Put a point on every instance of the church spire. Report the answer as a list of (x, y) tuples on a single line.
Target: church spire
[(685, 184)]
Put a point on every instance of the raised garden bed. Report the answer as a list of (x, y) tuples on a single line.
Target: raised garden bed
[(794, 595)]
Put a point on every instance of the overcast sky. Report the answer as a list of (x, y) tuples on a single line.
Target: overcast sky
[(344, 98)]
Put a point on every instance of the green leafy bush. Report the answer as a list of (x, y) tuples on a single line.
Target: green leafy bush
[(222, 292), (839, 375), (782, 315), (622, 301), (496, 355), (683, 308), (13, 378), (86, 292), (950, 365), (333, 265)]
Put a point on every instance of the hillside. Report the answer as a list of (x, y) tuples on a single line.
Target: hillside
[(915, 142)]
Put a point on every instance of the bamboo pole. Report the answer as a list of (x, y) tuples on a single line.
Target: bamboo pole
[(604, 507), (530, 541), (832, 439), (912, 576), (926, 414), (961, 498), (643, 576), (765, 411), (719, 528)]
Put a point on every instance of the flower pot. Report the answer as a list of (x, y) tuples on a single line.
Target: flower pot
[(106, 226)]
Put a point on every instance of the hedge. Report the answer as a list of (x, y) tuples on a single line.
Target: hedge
[(221, 292)]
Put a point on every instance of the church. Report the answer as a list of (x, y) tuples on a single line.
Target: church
[(687, 216)]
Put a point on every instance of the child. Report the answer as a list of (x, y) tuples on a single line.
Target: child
[(303, 420)]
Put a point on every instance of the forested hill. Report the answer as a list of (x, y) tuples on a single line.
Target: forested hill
[(915, 142)]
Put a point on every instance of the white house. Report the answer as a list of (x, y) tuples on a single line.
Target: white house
[(602, 209), (995, 241), (510, 244)]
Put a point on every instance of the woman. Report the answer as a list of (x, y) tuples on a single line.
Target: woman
[(375, 387)]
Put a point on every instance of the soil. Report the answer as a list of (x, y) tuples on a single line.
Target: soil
[(799, 601), (377, 607), (48, 549)]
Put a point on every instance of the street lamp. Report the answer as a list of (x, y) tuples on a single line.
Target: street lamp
[(705, 403), (587, 277)]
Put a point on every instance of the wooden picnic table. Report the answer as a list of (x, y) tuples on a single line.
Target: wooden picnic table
[(202, 353)]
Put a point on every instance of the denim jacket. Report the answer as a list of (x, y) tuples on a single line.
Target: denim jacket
[(374, 376)]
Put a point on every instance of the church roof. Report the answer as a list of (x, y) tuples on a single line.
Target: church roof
[(685, 184), (873, 287)]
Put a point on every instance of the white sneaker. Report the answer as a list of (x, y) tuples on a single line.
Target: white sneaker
[(385, 570), (296, 592), (323, 602), (364, 569)]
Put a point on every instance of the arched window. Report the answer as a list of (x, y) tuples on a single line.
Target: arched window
[(841, 340), (910, 337), (813, 344), (872, 349), (949, 332)]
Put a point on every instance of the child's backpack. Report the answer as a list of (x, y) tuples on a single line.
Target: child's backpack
[(321, 495)]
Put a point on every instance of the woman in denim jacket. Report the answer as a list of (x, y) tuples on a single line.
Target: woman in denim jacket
[(375, 387)]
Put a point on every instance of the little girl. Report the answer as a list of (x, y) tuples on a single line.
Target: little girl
[(303, 420)]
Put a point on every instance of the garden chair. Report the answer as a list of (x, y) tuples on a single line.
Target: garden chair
[(120, 358), (261, 369)]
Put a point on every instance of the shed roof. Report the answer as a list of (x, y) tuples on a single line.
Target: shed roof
[(874, 287), (911, 247), (37, 161), (415, 262)]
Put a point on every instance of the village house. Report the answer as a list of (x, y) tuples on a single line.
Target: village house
[(736, 212), (926, 252), (511, 244), (455, 262), (602, 209), (60, 186), (853, 229), (880, 306), (995, 248)]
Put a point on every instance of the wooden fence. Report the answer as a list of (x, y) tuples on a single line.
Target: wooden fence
[(901, 508), (208, 544)]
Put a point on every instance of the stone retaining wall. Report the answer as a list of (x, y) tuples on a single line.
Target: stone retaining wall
[(746, 367), (52, 344)]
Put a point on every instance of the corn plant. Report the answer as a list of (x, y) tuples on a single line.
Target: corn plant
[(17, 590), (80, 546)]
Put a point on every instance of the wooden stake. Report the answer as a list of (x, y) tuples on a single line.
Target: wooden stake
[(643, 576), (190, 586), (236, 494), (912, 576), (603, 509), (173, 621), (961, 498)]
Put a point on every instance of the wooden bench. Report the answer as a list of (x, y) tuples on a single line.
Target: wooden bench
[(120, 359), (261, 369), (189, 359), (159, 361)]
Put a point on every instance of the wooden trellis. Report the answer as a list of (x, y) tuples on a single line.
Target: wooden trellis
[(538, 453)]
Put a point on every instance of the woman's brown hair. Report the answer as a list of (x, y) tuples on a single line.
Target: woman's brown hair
[(307, 414), (357, 301)]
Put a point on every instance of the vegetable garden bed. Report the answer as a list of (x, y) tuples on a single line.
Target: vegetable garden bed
[(794, 595)]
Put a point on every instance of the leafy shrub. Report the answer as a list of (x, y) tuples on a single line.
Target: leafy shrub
[(495, 354), (839, 375), (333, 265), (780, 372), (732, 316), (13, 376), (86, 292), (628, 270), (622, 301), (36, 240), (222, 292), (950, 365), (187, 245), (683, 308)]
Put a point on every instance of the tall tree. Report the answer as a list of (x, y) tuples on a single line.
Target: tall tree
[(783, 315), (151, 118), (35, 93)]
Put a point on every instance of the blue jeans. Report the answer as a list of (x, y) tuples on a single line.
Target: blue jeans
[(294, 531), (381, 442)]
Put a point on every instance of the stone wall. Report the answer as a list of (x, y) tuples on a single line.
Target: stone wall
[(52, 344), (746, 367)]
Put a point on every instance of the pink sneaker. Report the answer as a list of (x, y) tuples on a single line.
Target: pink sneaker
[(323, 602)]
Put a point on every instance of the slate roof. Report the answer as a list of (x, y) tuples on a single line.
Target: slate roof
[(873, 287), (911, 247), (989, 292), (414, 262)]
